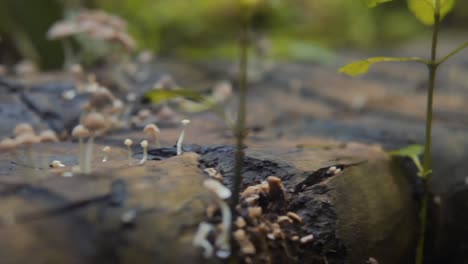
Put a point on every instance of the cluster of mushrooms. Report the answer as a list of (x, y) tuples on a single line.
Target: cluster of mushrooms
[(24, 137), (256, 223)]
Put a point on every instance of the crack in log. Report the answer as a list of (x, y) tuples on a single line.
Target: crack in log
[(321, 175)]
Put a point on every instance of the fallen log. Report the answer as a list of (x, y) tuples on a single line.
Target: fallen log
[(351, 198)]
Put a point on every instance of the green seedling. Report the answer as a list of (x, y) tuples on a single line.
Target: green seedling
[(431, 13), (247, 7)]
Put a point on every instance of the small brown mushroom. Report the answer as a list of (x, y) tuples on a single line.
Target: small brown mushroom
[(94, 122), (23, 128), (153, 131), (294, 217), (48, 136)]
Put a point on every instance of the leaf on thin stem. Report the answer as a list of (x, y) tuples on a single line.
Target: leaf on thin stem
[(361, 67), (374, 3), (412, 152), (424, 10)]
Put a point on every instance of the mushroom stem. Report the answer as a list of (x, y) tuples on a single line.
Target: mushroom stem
[(128, 142), (105, 150), (89, 154), (82, 155), (158, 143), (144, 145), (184, 122), (222, 241)]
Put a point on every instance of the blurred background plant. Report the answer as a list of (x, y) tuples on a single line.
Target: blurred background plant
[(207, 29)]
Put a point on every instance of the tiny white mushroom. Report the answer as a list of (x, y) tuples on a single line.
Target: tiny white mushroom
[(144, 145), (57, 164), (152, 130), (218, 188), (331, 170), (307, 239), (184, 122), (200, 239), (106, 151), (81, 132), (128, 142), (222, 192)]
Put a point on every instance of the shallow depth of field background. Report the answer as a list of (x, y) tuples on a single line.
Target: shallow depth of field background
[(310, 30)]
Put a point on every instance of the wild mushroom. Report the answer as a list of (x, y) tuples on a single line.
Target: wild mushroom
[(144, 145), (48, 136), (23, 128), (81, 132), (56, 164), (8, 144), (200, 239), (184, 122), (152, 130), (28, 140), (128, 142), (106, 151), (307, 239), (222, 192), (93, 122), (246, 246)]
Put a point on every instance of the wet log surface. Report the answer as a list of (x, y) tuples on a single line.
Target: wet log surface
[(303, 118)]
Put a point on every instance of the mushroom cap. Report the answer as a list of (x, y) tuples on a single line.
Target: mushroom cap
[(144, 144), (48, 136), (80, 131), (57, 164), (94, 121), (185, 122), (218, 188), (128, 142), (151, 129), (23, 128), (106, 149), (27, 139), (7, 143)]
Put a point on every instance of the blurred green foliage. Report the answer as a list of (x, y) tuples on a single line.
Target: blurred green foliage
[(299, 29)]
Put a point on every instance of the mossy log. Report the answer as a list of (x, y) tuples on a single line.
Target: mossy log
[(125, 213)]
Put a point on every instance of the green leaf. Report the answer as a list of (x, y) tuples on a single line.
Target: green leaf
[(156, 96), (361, 67), (424, 10), (374, 3), (411, 150)]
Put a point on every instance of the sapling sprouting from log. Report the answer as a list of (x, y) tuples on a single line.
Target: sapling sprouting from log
[(247, 10), (430, 13)]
